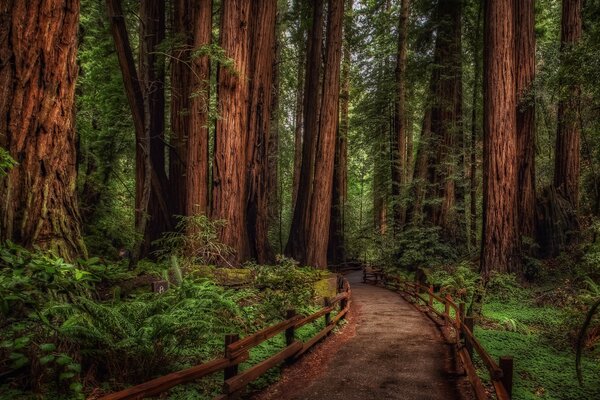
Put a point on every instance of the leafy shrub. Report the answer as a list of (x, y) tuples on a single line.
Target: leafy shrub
[(504, 287)]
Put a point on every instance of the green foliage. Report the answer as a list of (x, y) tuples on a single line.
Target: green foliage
[(194, 242), (6, 162)]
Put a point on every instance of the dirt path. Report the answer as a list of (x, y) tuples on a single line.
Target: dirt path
[(388, 350)]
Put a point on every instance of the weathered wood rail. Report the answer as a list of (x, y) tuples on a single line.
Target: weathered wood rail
[(237, 351), (501, 373)]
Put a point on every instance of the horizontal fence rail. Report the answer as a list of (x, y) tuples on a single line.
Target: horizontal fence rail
[(237, 351), (500, 373)]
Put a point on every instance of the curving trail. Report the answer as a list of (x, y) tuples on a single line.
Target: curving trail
[(396, 352)]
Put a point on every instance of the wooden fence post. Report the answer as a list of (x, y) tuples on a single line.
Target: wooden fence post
[(506, 365), (468, 345), (290, 333), (232, 371), (460, 315), (327, 303)]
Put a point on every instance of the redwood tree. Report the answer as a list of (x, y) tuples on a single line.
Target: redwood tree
[(230, 175), (500, 223), (296, 245), (190, 74), (38, 70), (320, 211), (566, 160), (262, 40), (525, 60), (336, 252)]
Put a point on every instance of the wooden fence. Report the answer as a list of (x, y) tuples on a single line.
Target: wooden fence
[(237, 351), (501, 373)]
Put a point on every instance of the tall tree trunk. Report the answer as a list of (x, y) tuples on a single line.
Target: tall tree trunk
[(190, 91), (400, 165), (152, 74), (262, 39), (197, 155), (296, 246), (446, 117), (320, 211), (38, 73), (566, 160), (135, 98), (231, 138), (275, 198), (336, 252), (500, 239), (525, 60)]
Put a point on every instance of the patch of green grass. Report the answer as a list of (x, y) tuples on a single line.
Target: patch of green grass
[(544, 361)]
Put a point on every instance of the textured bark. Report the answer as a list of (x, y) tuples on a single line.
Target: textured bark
[(262, 41), (231, 139), (500, 239), (336, 252), (446, 117), (399, 143), (525, 60), (190, 84), (275, 203), (152, 74), (566, 160), (296, 246), (320, 211), (38, 70), (196, 155), (135, 98)]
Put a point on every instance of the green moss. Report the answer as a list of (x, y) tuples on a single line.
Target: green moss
[(544, 361)]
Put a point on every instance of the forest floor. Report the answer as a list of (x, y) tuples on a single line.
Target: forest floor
[(392, 351)]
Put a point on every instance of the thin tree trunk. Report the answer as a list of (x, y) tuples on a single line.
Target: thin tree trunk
[(525, 60), (296, 246), (500, 239), (400, 165), (300, 39), (320, 211), (414, 213), (231, 138), (135, 97), (38, 73), (474, 136), (262, 39)]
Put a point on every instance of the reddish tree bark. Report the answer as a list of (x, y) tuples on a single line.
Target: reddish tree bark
[(336, 252), (230, 174), (196, 155), (320, 214), (566, 160), (190, 85), (296, 246), (525, 60), (500, 239), (262, 41), (38, 73)]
